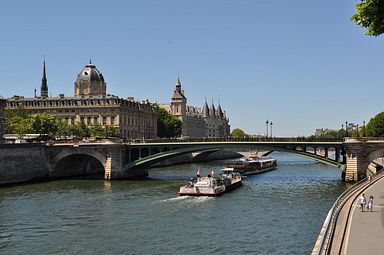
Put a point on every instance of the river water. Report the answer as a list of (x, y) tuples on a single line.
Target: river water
[(278, 212)]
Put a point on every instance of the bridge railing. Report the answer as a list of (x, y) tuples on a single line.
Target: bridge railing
[(363, 139), (246, 139)]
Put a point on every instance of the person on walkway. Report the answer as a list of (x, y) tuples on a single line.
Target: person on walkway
[(370, 203), (362, 202)]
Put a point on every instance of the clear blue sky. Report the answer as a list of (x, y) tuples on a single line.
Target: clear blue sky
[(301, 64)]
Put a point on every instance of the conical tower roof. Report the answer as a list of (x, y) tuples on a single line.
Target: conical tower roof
[(178, 93), (205, 110), (213, 110), (220, 112)]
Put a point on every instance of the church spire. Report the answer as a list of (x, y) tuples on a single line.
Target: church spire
[(44, 86), (178, 85)]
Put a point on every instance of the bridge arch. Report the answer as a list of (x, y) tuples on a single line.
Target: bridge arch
[(148, 161), (374, 155), (70, 164)]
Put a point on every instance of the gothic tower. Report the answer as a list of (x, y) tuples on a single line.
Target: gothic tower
[(179, 105), (44, 86), (179, 101)]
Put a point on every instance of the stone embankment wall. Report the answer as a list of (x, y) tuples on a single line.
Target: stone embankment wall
[(22, 162)]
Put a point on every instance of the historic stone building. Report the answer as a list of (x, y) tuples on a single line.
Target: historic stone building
[(91, 105), (208, 122), (2, 106)]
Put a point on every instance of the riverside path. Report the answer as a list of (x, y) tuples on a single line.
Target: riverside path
[(365, 230)]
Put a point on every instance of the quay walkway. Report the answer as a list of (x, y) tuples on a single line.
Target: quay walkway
[(349, 231), (365, 230)]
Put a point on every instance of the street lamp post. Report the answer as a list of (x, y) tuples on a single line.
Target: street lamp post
[(271, 127), (267, 122), (346, 128)]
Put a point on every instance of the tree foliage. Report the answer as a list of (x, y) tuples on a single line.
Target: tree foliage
[(44, 124), (238, 133), (375, 127), (20, 123), (370, 14), (167, 124), (341, 133)]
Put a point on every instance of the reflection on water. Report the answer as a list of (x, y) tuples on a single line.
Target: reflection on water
[(278, 212)]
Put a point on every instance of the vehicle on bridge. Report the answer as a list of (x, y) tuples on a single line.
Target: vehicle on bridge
[(211, 185)]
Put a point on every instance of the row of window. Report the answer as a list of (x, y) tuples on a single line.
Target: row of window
[(71, 102), (108, 120)]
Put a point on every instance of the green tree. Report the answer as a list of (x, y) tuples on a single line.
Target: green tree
[(112, 131), (167, 124), (97, 131), (17, 122), (341, 133), (18, 125), (79, 130), (20, 112), (238, 133), (370, 14), (44, 124), (63, 129), (375, 127)]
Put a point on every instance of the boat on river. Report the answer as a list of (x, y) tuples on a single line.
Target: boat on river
[(211, 185), (253, 165)]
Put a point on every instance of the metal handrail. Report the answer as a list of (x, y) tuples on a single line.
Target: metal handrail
[(330, 222)]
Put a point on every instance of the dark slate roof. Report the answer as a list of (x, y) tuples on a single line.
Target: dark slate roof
[(90, 73), (205, 110)]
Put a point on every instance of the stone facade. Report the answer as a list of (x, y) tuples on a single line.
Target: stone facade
[(2, 106), (92, 105), (208, 122)]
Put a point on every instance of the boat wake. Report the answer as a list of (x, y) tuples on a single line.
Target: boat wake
[(202, 199), (189, 199), (179, 198)]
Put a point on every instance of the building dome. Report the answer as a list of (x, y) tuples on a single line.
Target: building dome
[(90, 73), (90, 82)]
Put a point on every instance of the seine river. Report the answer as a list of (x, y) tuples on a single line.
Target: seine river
[(278, 212)]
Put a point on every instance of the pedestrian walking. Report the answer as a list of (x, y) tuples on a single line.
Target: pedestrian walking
[(362, 202), (370, 203)]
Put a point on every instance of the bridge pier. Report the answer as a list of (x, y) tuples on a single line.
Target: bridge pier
[(359, 153)]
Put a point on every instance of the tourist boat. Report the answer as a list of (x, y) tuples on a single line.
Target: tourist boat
[(253, 165), (211, 185)]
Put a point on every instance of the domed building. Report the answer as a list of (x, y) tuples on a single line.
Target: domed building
[(92, 105), (90, 82)]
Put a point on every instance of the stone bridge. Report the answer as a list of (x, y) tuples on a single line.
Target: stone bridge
[(25, 162)]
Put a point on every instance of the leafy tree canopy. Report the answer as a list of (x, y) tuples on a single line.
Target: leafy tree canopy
[(167, 124), (370, 14), (20, 123), (375, 127), (238, 133), (332, 134)]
